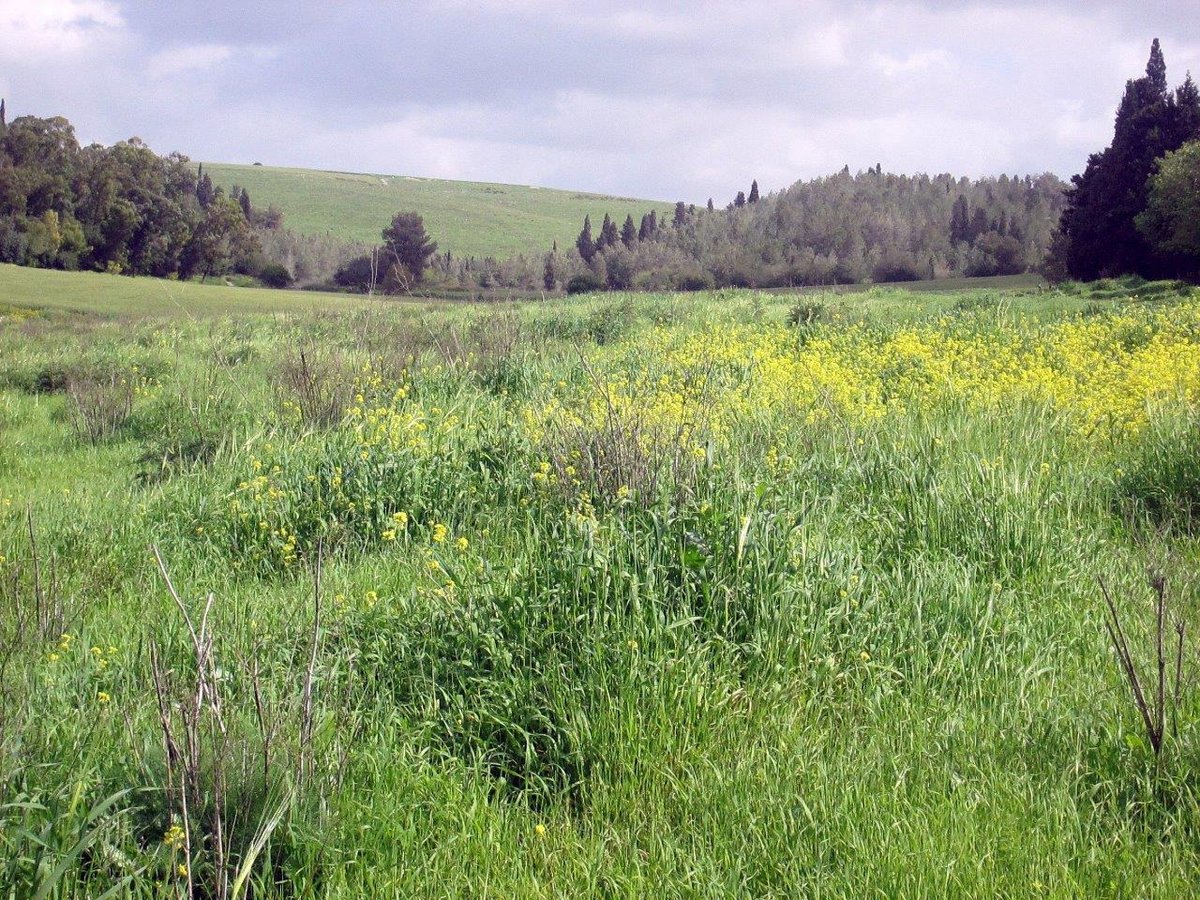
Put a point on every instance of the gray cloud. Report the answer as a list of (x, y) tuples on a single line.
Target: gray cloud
[(658, 99)]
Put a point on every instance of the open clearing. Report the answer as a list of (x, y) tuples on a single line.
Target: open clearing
[(631, 596)]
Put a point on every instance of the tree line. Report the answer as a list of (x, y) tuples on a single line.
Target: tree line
[(844, 228), (1134, 210), (125, 209)]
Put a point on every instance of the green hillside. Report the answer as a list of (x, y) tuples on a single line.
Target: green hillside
[(466, 217)]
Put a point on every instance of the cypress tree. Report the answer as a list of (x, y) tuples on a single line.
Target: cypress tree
[(740, 200), (1156, 68), (584, 243), (1186, 124), (205, 192), (644, 228), (608, 233), (680, 214), (628, 231), (3, 120), (753, 198), (244, 203), (710, 204), (549, 276)]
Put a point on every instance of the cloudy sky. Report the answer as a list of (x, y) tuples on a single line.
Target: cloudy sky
[(663, 100)]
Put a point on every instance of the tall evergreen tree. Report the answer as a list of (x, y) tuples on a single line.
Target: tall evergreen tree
[(628, 232), (550, 272), (205, 192), (740, 200), (960, 221), (1156, 68), (584, 243), (1186, 125), (753, 198), (680, 215), (1100, 236), (644, 228), (710, 204), (608, 233), (3, 118), (979, 224), (408, 246)]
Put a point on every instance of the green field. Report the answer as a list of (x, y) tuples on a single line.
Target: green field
[(465, 217), (729, 594), (115, 295)]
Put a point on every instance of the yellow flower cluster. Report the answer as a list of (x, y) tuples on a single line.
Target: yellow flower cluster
[(102, 656), (1107, 373)]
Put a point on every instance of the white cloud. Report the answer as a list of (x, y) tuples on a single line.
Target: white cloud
[(898, 65), (39, 28), (655, 98), (177, 60), (821, 46)]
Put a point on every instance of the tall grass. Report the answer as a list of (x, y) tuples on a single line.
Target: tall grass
[(598, 612)]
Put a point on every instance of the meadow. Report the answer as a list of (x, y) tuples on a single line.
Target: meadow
[(730, 594), (465, 217)]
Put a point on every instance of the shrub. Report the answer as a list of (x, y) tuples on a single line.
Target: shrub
[(612, 321), (276, 276), (586, 283), (313, 385), (98, 406), (807, 312), (695, 281)]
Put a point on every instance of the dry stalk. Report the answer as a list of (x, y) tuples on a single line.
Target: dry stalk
[(1153, 707), (201, 726)]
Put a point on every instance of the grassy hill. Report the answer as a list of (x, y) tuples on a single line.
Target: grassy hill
[(466, 217)]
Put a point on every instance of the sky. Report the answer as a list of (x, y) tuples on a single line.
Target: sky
[(684, 100)]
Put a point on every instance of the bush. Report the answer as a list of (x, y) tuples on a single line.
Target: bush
[(696, 281), (276, 276), (586, 283), (359, 274), (807, 312), (612, 322), (896, 269), (98, 406)]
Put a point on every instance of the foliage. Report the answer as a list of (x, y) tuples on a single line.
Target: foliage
[(407, 248), (1099, 227), (584, 283), (1171, 219), (120, 209), (275, 275)]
